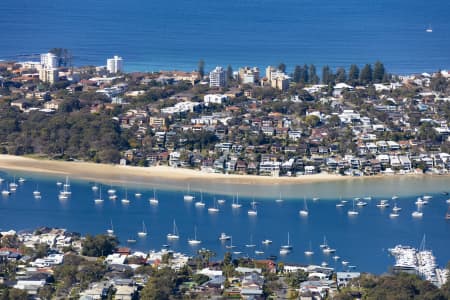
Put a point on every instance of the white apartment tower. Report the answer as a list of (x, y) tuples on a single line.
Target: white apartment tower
[(115, 64), (49, 61), (217, 77)]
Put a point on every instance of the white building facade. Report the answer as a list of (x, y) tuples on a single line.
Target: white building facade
[(115, 64)]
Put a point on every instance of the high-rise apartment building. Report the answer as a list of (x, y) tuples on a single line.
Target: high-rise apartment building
[(115, 64)]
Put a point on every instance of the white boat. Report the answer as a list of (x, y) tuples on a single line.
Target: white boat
[(131, 241), (214, 209), (230, 246), (267, 242), (284, 251), (194, 241), (344, 262), (361, 203), (336, 257), (188, 196), (236, 203), (153, 200), (315, 199), (259, 252), (224, 237), (394, 215), (367, 198), (309, 252), (304, 212), (324, 244), (99, 200), (36, 192), (221, 201), (111, 191), (112, 197), (59, 183), (125, 200), (174, 235), (143, 233), (67, 183), (138, 195), (237, 252), (324, 264), (110, 231), (328, 250), (340, 205), (396, 208), (417, 213), (94, 187), (429, 29), (383, 204), (279, 200), (427, 197), (448, 201), (288, 246), (200, 203), (22, 180), (62, 196), (353, 212), (6, 192), (252, 211), (13, 186), (250, 245), (420, 201), (395, 197)]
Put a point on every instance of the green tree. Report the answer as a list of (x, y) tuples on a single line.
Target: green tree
[(99, 245), (327, 75), (229, 73), (353, 74), (312, 120), (378, 72), (161, 285), (313, 78), (341, 75), (201, 68), (365, 77), (439, 83)]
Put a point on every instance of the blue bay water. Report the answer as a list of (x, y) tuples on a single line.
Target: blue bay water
[(362, 240), (155, 35)]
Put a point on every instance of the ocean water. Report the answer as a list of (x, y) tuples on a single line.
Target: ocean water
[(155, 35), (362, 240)]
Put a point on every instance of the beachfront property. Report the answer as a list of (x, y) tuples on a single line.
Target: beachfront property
[(306, 129)]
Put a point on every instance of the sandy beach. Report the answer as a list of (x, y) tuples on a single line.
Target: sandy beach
[(117, 173)]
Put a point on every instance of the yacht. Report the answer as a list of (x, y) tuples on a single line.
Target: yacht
[(112, 197), (448, 201), (214, 209), (36, 192), (421, 201), (94, 187), (267, 242), (328, 250), (396, 208), (279, 200), (110, 231), (367, 198), (59, 183), (309, 252), (325, 244), (383, 204), (153, 200), (361, 203), (250, 245), (188, 196), (224, 237), (138, 195), (194, 241), (315, 199), (253, 211), (131, 241), (111, 191), (143, 233), (340, 205), (345, 263), (395, 197), (429, 29), (67, 183), (236, 203), (427, 197), (6, 192), (21, 180), (336, 257), (353, 212), (200, 203), (417, 213), (125, 200), (174, 235), (304, 212), (324, 264), (284, 249), (230, 246), (259, 252), (394, 215), (221, 201), (99, 200)]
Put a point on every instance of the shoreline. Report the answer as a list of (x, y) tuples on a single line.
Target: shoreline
[(125, 174)]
